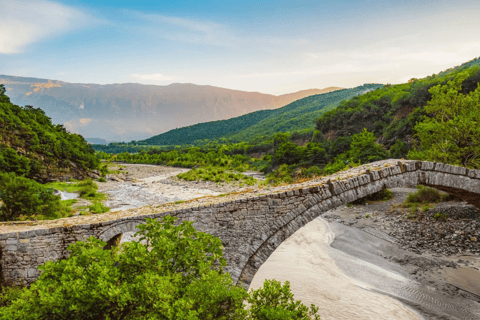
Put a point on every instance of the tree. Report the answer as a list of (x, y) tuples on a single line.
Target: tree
[(364, 149), (451, 134), (171, 272), (24, 198)]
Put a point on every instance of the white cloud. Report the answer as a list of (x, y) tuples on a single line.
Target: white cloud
[(23, 22), (188, 30), (152, 77), (74, 125)]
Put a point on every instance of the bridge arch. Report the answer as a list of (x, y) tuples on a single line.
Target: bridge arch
[(463, 183)]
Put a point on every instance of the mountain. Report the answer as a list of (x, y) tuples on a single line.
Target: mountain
[(130, 111), (298, 115)]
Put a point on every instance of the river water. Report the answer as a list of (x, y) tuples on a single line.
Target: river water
[(340, 270)]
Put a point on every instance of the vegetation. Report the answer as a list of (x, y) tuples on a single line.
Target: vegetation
[(26, 199), (452, 134), (87, 189), (253, 128), (30, 145), (425, 195), (172, 272)]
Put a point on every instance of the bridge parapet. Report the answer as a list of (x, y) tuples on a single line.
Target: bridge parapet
[(251, 227)]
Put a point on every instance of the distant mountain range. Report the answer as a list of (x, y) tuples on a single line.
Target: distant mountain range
[(130, 111), (298, 115)]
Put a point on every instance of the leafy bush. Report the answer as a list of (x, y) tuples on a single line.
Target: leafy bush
[(282, 175), (425, 195), (171, 272), (25, 199), (98, 207), (274, 301), (364, 149)]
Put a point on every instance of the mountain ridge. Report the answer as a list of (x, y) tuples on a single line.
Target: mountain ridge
[(134, 111)]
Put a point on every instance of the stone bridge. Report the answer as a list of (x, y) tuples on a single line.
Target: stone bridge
[(250, 228)]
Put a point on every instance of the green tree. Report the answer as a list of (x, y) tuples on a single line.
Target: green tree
[(364, 149), (172, 272), (24, 198), (452, 132)]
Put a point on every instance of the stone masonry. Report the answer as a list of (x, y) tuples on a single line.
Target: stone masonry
[(250, 228)]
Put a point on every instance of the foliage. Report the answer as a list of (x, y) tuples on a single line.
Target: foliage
[(215, 174), (172, 272), (31, 145), (363, 148), (440, 216), (452, 134), (399, 150), (97, 207), (87, 189), (254, 128), (26, 199), (11, 161), (425, 195), (282, 175), (274, 301)]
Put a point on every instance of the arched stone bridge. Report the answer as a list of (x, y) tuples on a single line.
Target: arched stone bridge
[(251, 228)]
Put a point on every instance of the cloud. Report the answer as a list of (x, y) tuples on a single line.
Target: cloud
[(74, 125), (23, 22), (152, 77), (188, 30), (85, 121)]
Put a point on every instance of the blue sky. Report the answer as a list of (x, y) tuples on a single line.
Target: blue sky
[(267, 46)]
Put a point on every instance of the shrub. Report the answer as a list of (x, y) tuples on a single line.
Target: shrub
[(24, 199), (98, 207), (274, 301), (441, 216), (171, 272), (283, 174), (425, 195)]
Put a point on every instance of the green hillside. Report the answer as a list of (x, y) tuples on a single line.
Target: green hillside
[(206, 130), (32, 146), (297, 115), (392, 111)]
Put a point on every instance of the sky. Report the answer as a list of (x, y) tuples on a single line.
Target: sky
[(274, 47)]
